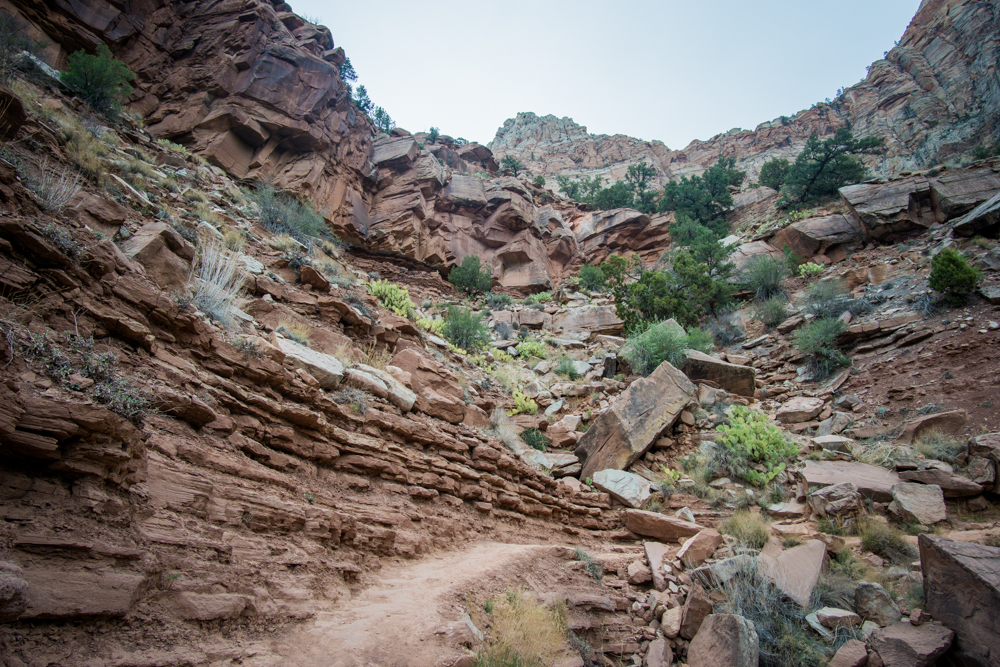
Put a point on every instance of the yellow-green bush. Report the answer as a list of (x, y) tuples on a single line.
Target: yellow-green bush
[(523, 404), (750, 439), (393, 297), (435, 327), (531, 348)]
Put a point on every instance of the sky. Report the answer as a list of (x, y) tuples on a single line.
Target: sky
[(669, 70)]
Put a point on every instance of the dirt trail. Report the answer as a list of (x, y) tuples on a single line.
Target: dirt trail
[(392, 623)]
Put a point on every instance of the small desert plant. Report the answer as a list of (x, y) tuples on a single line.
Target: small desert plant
[(535, 439), (763, 275), (356, 399), (590, 565), (541, 297), (724, 328), (829, 298), (935, 444), (810, 270), (818, 342), (435, 327), (885, 541), (522, 404), (283, 214), (234, 239), (772, 312), (495, 301), (219, 278), (249, 347), (53, 190), (284, 243), (101, 80), (296, 331), (465, 329), (952, 276), (749, 528), (748, 440), (661, 342), (566, 367), (64, 241), (538, 181), (84, 150), (503, 330), (14, 40), (591, 277), (470, 276), (523, 633), (532, 348), (393, 297)]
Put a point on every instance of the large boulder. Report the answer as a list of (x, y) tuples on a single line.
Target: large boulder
[(588, 321), (799, 409), (624, 487), (984, 217), (734, 378), (962, 590), (907, 645), (873, 603), (699, 548), (164, 254), (950, 423), (795, 571), (697, 607), (819, 236), (872, 481), (438, 392), (853, 653), (837, 500), (920, 503), (626, 430), (661, 526), (884, 208), (725, 640)]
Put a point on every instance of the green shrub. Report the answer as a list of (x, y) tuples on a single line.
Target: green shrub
[(591, 277), (522, 404), (749, 528), (952, 276), (762, 275), (535, 439), (532, 348), (435, 327), (750, 439), (465, 329), (566, 367), (498, 301), (393, 297), (664, 341), (724, 328), (282, 214), (541, 297), (772, 312), (885, 541), (810, 270), (829, 298), (503, 330), (13, 41), (101, 80), (818, 342), (470, 277), (539, 181), (825, 166), (773, 173)]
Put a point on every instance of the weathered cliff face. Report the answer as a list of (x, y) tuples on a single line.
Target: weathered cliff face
[(246, 83), (933, 98)]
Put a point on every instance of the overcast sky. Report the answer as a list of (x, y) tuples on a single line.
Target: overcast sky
[(669, 70)]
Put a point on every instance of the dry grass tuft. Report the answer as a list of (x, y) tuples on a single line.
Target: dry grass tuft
[(935, 444), (234, 239), (376, 356), (53, 190), (883, 540), (523, 633), (284, 243), (297, 331), (219, 281), (749, 528), (84, 150)]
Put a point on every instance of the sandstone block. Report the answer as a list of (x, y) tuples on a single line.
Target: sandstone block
[(725, 640), (734, 378), (907, 645), (625, 487), (662, 527), (922, 503), (873, 603)]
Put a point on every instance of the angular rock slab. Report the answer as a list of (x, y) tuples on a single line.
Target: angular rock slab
[(953, 485), (947, 422), (697, 607), (872, 481), (907, 645), (326, 368), (795, 571), (873, 603), (799, 409), (853, 653), (922, 503), (962, 590), (725, 640), (625, 431), (699, 548), (662, 527), (625, 487), (733, 378), (982, 217), (836, 500)]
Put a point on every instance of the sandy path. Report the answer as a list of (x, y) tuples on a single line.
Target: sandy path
[(392, 623)]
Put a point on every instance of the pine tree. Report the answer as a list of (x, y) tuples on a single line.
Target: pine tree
[(823, 167)]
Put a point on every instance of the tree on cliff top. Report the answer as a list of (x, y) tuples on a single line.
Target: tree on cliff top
[(512, 164), (823, 167)]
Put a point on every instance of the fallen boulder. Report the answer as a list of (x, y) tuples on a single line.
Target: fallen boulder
[(734, 378), (696, 609), (699, 548), (625, 431), (164, 254), (873, 603), (625, 487), (837, 500), (950, 423), (661, 526), (920, 503), (725, 640), (795, 571), (953, 485), (438, 391), (962, 590), (799, 409), (326, 368), (818, 236), (980, 219), (853, 653), (872, 481), (908, 645)]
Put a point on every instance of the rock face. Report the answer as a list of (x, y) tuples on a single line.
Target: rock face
[(962, 590), (623, 433), (13, 592), (734, 378), (930, 103), (830, 236), (725, 640)]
